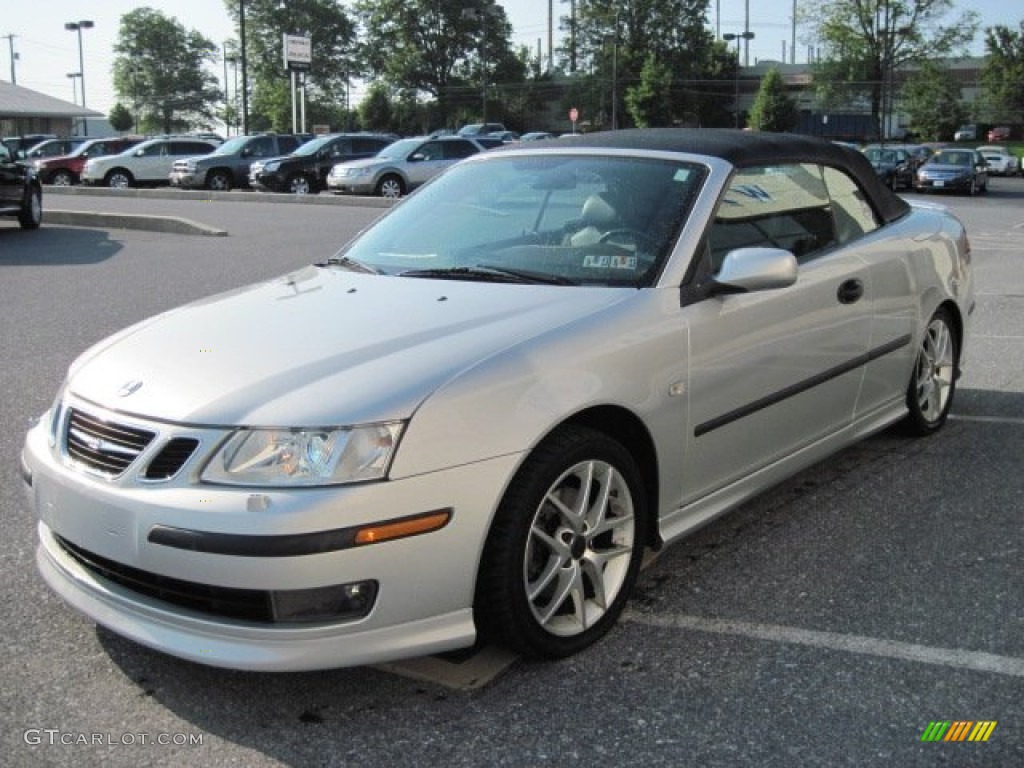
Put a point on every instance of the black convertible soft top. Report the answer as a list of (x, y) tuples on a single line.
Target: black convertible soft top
[(748, 148)]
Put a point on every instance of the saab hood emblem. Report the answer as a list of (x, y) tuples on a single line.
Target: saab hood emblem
[(129, 388)]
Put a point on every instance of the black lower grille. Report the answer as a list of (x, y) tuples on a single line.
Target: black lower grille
[(226, 602), (339, 602)]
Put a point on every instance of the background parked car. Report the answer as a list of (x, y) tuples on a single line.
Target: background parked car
[(481, 129), (65, 170), (305, 170), (228, 165), (536, 136), (21, 194), (145, 163), (999, 133), (18, 145), (1001, 161), (894, 165), (54, 147), (953, 170), (967, 132), (401, 167)]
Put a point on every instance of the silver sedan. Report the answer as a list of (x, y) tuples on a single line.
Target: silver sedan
[(476, 418)]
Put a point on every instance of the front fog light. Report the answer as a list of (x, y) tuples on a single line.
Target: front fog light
[(343, 602)]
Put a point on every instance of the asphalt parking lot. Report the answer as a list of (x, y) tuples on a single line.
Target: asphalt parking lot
[(828, 622)]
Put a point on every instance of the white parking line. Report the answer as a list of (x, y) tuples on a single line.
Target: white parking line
[(987, 419), (947, 657)]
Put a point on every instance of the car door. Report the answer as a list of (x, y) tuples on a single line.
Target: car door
[(153, 163), (773, 371), (425, 162)]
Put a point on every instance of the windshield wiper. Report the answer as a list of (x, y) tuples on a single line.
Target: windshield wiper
[(486, 272), (350, 264)]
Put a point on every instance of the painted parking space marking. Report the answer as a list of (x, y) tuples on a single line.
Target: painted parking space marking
[(955, 658)]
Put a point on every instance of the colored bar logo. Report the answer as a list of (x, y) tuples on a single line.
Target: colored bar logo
[(958, 730)]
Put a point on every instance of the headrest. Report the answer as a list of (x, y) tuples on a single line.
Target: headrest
[(597, 210)]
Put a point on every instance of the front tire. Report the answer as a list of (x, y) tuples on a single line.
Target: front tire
[(219, 181), (62, 179), (119, 178), (933, 381), (565, 548), (299, 184), (391, 186), (31, 215)]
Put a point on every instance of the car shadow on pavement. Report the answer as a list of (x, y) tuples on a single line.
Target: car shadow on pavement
[(55, 246)]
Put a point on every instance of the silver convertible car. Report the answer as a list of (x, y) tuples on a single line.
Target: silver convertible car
[(473, 421)]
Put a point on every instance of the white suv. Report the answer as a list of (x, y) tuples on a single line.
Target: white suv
[(147, 163)]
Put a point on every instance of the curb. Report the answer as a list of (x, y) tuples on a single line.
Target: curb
[(234, 196), (168, 224)]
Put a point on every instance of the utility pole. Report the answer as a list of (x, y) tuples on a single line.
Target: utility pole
[(14, 58)]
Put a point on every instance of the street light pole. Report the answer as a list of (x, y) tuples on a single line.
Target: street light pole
[(78, 26), (73, 76), (729, 37)]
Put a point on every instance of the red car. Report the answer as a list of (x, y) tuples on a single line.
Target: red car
[(999, 133), (67, 169)]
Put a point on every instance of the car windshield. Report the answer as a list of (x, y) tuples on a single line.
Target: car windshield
[(313, 146), (399, 149), (881, 156), (232, 146), (953, 158), (562, 219)]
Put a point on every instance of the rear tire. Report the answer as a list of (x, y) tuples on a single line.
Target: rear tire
[(565, 548), (933, 381)]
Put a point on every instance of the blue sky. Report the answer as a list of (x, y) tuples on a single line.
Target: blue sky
[(47, 52)]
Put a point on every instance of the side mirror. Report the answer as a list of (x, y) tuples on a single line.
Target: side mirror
[(746, 270), (246, 152), (417, 157)]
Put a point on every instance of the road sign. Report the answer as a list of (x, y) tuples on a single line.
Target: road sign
[(574, 114)]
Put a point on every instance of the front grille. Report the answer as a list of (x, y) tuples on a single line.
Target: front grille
[(227, 602), (102, 446), (171, 458)]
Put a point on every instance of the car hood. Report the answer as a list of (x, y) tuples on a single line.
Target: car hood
[(945, 168), (318, 347), (371, 162)]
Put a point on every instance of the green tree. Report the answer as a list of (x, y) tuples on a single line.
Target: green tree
[(1003, 74), (376, 111), (865, 41), (773, 109), (444, 48), (120, 117), (650, 101), (160, 70), (931, 98), (609, 44), (333, 40)]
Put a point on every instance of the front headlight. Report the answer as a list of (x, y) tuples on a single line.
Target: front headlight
[(271, 167), (304, 457)]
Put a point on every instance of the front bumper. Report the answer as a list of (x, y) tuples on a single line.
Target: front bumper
[(349, 186), (186, 180), (952, 184), (424, 583)]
